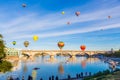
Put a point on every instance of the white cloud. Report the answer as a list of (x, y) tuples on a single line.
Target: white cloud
[(19, 27), (51, 21), (69, 32)]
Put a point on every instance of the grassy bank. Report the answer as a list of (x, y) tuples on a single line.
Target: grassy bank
[(105, 75)]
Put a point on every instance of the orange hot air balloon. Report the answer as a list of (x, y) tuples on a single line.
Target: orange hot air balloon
[(82, 47), (61, 44)]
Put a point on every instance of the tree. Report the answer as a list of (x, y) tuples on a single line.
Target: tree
[(2, 47), (119, 49)]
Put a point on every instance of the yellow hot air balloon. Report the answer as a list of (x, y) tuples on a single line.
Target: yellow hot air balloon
[(35, 37), (63, 12)]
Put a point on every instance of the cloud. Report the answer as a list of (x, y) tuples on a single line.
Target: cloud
[(26, 26), (51, 21), (69, 32)]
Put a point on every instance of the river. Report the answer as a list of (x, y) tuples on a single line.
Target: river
[(59, 66)]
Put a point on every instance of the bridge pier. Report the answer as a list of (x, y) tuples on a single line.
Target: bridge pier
[(72, 59), (52, 57)]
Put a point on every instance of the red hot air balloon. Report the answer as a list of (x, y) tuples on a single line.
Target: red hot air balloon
[(82, 47), (77, 13)]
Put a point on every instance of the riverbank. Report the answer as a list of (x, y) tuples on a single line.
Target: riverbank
[(105, 75)]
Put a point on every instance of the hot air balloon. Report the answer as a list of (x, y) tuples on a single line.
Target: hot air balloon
[(61, 44), (77, 13), (68, 22), (35, 37), (24, 5), (82, 47), (109, 17), (62, 12), (26, 43), (14, 42)]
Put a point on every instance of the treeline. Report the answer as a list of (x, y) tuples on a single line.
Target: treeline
[(116, 54), (4, 65)]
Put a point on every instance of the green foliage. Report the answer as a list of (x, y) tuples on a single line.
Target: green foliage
[(5, 66), (2, 47), (98, 75), (116, 54)]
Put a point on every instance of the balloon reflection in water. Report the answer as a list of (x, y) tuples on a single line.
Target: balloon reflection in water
[(34, 74), (83, 63), (61, 68)]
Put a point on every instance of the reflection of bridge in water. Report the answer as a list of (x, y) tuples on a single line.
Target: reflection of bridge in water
[(52, 53)]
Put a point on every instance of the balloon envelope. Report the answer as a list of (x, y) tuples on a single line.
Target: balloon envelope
[(77, 13), (68, 22), (109, 17), (63, 12), (35, 37), (61, 44), (82, 47), (26, 43), (23, 5), (14, 42)]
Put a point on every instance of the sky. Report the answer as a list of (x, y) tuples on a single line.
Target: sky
[(43, 18)]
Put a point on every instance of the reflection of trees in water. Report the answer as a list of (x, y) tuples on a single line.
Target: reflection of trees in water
[(34, 74), (92, 60), (61, 68), (72, 59)]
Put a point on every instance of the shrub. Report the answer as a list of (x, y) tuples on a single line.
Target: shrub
[(5, 66)]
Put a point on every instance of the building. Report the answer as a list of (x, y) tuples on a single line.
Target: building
[(12, 52)]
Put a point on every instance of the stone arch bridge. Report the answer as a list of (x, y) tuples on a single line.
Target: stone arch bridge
[(62, 52)]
